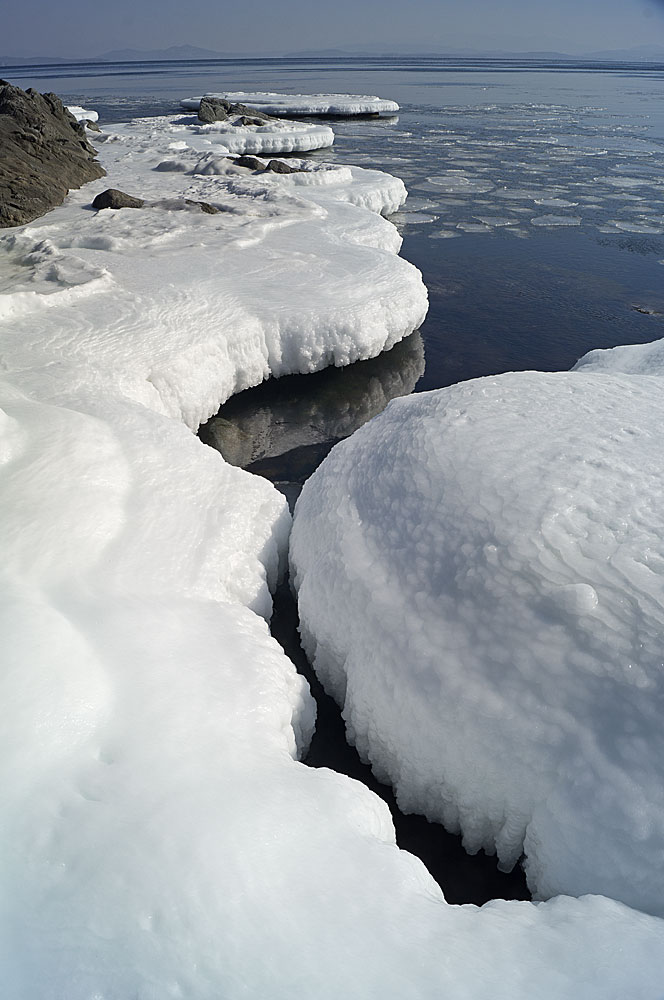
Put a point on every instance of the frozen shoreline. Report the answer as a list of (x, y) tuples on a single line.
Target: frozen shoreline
[(161, 839)]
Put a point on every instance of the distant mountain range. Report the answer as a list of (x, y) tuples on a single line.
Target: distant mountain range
[(639, 53)]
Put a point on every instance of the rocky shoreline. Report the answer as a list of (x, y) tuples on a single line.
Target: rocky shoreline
[(45, 153)]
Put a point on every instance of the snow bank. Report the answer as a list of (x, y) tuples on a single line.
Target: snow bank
[(301, 104), (479, 582)]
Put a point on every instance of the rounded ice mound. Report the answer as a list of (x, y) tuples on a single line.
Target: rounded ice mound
[(628, 359), (302, 104), (479, 576)]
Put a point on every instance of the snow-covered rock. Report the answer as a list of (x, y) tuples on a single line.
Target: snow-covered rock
[(630, 359), (479, 576), (301, 104)]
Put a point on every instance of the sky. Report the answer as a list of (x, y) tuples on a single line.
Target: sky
[(80, 29)]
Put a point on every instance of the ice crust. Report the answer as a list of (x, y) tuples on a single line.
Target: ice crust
[(301, 104), (159, 840), (479, 583), (82, 114)]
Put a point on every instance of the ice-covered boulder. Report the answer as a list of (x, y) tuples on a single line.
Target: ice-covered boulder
[(479, 576), (301, 104)]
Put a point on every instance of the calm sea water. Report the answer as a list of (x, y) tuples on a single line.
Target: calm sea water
[(536, 207), (536, 215)]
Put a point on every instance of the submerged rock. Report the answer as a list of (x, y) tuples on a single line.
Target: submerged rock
[(43, 153)]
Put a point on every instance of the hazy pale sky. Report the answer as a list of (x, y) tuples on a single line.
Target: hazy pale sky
[(79, 28)]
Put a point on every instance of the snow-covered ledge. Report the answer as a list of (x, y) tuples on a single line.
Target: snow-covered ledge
[(159, 838)]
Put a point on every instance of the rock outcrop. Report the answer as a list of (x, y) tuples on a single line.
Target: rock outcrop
[(113, 198), (218, 109), (43, 153)]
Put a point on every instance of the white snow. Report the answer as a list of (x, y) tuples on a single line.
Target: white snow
[(178, 309), (479, 583), (301, 104), (159, 841), (82, 114)]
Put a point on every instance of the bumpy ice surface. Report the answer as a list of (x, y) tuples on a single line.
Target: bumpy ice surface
[(160, 841), (479, 580), (271, 138), (179, 309), (302, 104)]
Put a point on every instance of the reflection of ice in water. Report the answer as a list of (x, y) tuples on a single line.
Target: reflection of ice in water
[(286, 423)]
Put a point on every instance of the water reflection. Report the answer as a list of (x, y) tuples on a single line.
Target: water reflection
[(283, 428)]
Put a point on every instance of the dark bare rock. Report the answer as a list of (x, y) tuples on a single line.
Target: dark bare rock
[(213, 109), (43, 154), (250, 162), (112, 198), (257, 116), (204, 206), (218, 109), (280, 167)]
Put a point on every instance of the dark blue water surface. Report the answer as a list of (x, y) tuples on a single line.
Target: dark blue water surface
[(536, 215)]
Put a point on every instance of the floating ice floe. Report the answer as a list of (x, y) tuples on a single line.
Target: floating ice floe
[(556, 220), (479, 584), (301, 104), (82, 114), (626, 226), (228, 136)]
